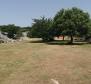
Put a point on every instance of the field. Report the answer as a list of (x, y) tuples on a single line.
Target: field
[(38, 63)]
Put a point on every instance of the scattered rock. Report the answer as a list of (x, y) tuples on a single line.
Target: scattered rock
[(54, 81)]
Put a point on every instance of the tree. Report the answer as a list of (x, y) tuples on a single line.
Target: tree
[(41, 28), (88, 36), (57, 25), (72, 22), (11, 31)]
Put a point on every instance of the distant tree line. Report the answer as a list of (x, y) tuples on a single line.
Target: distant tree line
[(67, 22), (12, 31)]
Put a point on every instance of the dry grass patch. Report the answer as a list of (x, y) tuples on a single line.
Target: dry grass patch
[(38, 63)]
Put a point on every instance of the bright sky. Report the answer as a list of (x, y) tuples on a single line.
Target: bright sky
[(21, 12)]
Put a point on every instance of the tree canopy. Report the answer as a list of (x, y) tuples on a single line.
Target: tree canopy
[(41, 28), (71, 22), (11, 31)]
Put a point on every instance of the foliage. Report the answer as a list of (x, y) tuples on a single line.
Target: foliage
[(71, 22), (11, 31), (25, 29), (41, 28), (89, 31)]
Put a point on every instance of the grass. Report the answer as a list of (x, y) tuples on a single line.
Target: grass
[(38, 63)]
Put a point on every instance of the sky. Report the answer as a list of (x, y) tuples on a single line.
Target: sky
[(21, 12)]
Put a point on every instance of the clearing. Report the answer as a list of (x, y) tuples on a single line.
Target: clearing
[(38, 63)]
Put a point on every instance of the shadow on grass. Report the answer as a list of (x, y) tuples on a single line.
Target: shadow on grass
[(59, 42), (37, 41), (65, 42)]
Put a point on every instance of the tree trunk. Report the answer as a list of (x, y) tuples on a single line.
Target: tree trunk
[(51, 39), (71, 41), (63, 37)]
